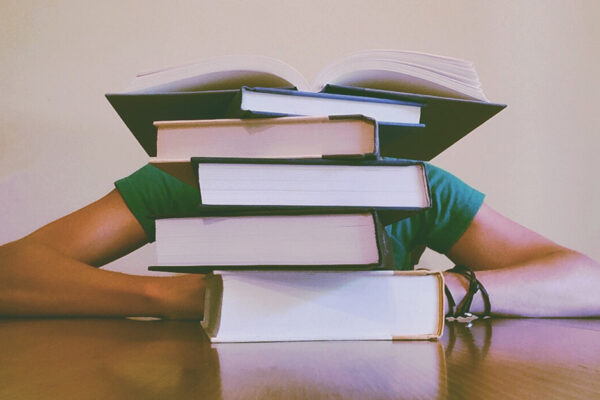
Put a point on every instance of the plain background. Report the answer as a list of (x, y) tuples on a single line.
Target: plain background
[(62, 145)]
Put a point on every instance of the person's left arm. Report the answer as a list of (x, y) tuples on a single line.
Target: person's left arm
[(524, 273)]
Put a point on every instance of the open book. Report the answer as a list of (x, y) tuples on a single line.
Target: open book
[(445, 93), (393, 70)]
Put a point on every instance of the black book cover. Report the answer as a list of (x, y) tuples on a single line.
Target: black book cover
[(446, 121), (139, 111)]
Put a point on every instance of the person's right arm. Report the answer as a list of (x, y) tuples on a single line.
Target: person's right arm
[(51, 272)]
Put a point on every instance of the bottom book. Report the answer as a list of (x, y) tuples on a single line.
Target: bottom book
[(269, 306)]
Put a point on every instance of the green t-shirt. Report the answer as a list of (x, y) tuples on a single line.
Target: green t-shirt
[(150, 192), (454, 204)]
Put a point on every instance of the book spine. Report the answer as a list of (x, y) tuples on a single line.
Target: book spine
[(384, 244), (329, 160), (234, 109)]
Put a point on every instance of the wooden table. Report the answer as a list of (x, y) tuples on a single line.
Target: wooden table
[(127, 359)]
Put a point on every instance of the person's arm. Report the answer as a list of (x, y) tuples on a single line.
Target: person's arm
[(524, 273), (52, 272)]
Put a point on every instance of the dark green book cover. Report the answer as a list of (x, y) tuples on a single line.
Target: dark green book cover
[(445, 120)]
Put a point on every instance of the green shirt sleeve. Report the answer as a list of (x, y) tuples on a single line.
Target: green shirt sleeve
[(150, 192), (454, 205)]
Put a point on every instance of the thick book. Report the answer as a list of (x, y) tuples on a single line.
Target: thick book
[(261, 183), (272, 182), (283, 241), (398, 70), (264, 306), (285, 137), (208, 89)]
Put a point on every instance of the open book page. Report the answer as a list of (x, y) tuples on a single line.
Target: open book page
[(394, 70), (404, 72), (220, 73)]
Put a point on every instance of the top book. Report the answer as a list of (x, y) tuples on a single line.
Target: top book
[(392, 70)]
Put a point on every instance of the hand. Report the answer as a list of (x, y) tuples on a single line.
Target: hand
[(179, 297)]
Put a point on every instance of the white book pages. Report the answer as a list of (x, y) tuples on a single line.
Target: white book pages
[(336, 239), (218, 73), (313, 185), (296, 306), (285, 137), (376, 69), (386, 112)]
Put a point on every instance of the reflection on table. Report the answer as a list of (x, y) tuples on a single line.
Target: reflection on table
[(117, 358)]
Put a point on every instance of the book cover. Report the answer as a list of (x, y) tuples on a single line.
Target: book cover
[(446, 121), (443, 120), (139, 110)]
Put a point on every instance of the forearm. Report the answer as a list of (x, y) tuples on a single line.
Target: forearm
[(40, 281), (560, 284)]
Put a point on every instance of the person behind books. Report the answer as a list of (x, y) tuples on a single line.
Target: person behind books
[(53, 271)]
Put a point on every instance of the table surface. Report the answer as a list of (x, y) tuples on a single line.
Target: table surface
[(129, 359)]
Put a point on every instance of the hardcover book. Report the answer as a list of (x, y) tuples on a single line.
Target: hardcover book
[(285, 137), (263, 306), (258, 101), (449, 89), (329, 184), (282, 241)]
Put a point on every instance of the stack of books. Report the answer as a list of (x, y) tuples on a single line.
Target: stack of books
[(296, 185)]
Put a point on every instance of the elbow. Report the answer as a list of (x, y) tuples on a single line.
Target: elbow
[(11, 251), (5, 250), (579, 264)]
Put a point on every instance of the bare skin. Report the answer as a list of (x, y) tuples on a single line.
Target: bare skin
[(53, 271), (524, 273)]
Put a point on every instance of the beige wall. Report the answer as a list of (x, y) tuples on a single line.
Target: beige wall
[(62, 146)]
